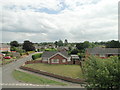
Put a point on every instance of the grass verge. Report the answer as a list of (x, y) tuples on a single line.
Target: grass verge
[(73, 71), (30, 78)]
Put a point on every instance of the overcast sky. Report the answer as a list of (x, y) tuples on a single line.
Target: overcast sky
[(51, 20)]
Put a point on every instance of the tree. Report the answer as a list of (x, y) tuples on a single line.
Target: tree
[(80, 46), (66, 42), (74, 51), (14, 44), (101, 73), (60, 43), (28, 46), (56, 44), (113, 44), (83, 46)]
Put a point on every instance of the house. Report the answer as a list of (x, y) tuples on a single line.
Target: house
[(55, 57), (4, 47), (62, 48), (37, 47), (103, 52)]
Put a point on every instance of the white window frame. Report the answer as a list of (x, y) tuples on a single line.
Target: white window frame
[(64, 60), (54, 61)]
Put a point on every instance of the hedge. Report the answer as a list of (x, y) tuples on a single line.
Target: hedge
[(35, 56)]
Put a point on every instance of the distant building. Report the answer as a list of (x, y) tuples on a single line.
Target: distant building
[(4, 47), (55, 57), (103, 52), (59, 57), (62, 48)]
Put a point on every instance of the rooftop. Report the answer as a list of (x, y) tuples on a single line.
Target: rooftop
[(103, 50)]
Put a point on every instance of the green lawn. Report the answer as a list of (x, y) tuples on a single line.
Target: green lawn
[(30, 78), (6, 60), (73, 71), (38, 59)]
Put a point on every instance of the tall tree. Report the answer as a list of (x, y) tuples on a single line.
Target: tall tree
[(14, 44), (66, 42), (60, 43), (83, 46), (28, 46), (113, 44), (56, 44)]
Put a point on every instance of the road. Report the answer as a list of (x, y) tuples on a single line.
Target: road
[(8, 80)]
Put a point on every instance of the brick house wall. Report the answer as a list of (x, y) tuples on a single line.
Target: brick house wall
[(60, 57), (44, 61)]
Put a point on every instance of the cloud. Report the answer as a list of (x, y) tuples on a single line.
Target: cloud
[(50, 20)]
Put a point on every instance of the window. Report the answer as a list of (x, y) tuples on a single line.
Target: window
[(55, 60), (64, 60)]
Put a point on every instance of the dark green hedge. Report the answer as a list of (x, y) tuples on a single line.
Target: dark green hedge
[(35, 56)]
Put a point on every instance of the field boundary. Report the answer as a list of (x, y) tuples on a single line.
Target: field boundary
[(80, 81)]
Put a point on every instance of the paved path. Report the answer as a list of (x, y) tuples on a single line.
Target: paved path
[(9, 82)]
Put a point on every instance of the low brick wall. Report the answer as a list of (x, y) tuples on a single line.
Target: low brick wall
[(40, 61), (53, 75)]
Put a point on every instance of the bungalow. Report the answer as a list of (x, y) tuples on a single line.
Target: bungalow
[(59, 57), (103, 52), (55, 57)]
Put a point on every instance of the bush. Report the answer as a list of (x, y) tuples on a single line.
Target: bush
[(102, 73), (74, 51), (50, 49), (6, 52), (22, 54), (35, 56), (31, 52), (81, 55)]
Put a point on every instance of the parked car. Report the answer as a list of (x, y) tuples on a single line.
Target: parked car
[(7, 57)]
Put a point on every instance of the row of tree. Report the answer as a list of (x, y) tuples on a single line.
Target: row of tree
[(27, 45), (61, 43)]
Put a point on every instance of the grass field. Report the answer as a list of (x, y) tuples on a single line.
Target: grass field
[(33, 79), (73, 71), (6, 61)]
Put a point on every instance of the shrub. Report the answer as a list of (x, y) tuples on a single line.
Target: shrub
[(74, 51), (35, 56), (81, 55), (6, 52), (102, 73), (31, 52), (50, 49)]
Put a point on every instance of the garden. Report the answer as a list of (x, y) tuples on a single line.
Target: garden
[(73, 71), (34, 79)]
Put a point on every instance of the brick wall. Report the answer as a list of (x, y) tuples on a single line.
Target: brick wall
[(77, 62), (54, 75), (31, 62), (60, 59)]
